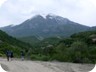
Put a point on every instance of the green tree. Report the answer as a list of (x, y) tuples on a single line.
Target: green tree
[(78, 51)]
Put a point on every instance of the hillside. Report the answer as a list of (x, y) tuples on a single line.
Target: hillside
[(93, 28), (78, 48), (42, 27), (9, 43), (30, 39)]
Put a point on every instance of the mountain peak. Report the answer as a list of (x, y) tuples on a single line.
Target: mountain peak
[(51, 16), (57, 18), (52, 25), (36, 16)]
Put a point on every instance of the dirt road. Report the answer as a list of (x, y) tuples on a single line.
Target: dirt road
[(38, 66)]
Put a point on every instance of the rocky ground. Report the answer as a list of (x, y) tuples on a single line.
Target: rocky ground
[(40, 66)]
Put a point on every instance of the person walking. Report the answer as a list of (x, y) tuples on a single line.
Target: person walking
[(8, 54), (11, 55), (22, 55)]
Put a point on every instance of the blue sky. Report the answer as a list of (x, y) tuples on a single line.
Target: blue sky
[(17, 11)]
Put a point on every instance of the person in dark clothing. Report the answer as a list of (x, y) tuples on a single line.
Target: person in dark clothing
[(8, 54), (11, 55), (22, 55)]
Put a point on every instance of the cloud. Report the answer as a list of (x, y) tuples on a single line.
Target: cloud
[(2, 1), (16, 11)]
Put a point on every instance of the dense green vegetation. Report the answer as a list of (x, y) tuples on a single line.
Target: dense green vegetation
[(29, 39), (79, 48), (9, 43)]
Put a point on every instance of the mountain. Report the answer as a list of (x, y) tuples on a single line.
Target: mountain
[(93, 28), (9, 43), (30, 39), (78, 48), (42, 27)]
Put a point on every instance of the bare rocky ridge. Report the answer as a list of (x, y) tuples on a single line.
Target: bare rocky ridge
[(38, 66)]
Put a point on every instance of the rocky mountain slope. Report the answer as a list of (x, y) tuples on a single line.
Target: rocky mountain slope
[(50, 26)]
